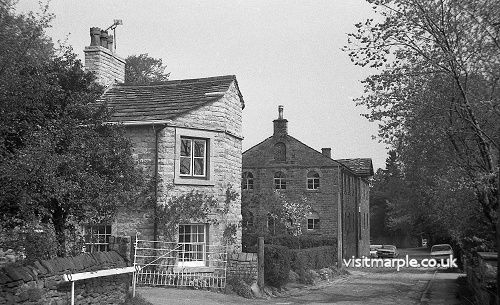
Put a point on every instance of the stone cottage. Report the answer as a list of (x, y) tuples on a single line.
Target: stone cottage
[(187, 133), (337, 190)]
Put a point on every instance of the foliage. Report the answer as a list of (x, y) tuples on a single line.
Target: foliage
[(60, 165), (194, 206), (249, 241), (277, 261), (437, 101), (286, 215), (143, 69), (240, 286), (313, 258)]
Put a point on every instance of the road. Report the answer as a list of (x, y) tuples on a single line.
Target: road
[(361, 286)]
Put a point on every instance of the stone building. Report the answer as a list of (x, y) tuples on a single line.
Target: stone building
[(187, 133), (337, 190)]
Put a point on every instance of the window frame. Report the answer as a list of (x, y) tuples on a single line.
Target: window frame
[(280, 181), (316, 223), (209, 136), (315, 180), (246, 178), (181, 260), (192, 157), (90, 246)]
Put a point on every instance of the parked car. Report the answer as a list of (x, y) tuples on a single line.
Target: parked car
[(373, 250), (441, 251), (387, 251)]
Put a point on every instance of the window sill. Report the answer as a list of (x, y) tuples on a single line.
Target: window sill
[(191, 181)]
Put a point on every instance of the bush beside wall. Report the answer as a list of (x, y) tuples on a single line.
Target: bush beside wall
[(42, 282), (249, 241), (314, 258), (277, 262)]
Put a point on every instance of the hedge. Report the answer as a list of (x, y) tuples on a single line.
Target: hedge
[(313, 258), (305, 241), (277, 264)]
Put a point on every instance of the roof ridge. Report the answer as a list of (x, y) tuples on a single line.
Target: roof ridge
[(179, 81)]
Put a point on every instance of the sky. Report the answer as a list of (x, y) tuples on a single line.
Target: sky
[(282, 53)]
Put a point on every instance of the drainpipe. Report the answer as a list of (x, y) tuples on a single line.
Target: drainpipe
[(340, 219), (156, 179)]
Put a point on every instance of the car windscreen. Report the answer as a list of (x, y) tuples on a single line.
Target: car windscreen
[(440, 248), (389, 247)]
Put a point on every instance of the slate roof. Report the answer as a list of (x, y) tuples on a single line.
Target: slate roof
[(360, 166), (164, 100)]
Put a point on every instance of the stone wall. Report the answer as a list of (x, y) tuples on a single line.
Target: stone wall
[(107, 66), (42, 282), (243, 266), (481, 277)]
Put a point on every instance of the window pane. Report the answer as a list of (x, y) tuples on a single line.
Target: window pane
[(199, 166), (185, 166), (185, 147), (199, 148)]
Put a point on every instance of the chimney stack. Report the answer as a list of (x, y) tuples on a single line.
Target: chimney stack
[(280, 124), (100, 58), (327, 152)]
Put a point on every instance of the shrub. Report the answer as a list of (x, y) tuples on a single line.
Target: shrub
[(276, 264), (313, 258), (302, 241)]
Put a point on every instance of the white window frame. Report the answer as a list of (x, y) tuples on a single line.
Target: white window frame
[(210, 150), (195, 263), (246, 185), (315, 225), (192, 157), (279, 181), (315, 186), (102, 239)]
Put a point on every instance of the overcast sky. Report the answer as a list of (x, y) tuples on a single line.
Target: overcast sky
[(282, 53)]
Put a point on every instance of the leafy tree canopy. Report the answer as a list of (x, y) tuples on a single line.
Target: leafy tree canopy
[(143, 69), (437, 99), (60, 164)]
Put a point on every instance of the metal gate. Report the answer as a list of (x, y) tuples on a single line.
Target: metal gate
[(162, 263)]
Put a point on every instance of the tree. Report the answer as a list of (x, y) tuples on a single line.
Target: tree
[(286, 214), (437, 99), (437, 95), (60, 164), (142, 69)]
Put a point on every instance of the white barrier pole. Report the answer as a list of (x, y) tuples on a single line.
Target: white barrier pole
[(72, 293)]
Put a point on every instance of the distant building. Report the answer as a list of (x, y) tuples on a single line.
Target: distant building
[(338, 190)]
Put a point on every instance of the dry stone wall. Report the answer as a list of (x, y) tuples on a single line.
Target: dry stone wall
[(42, 282)]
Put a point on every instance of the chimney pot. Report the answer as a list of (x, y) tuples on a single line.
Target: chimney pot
[(327, 152), (95, 36), (280, 124), (104, 39)]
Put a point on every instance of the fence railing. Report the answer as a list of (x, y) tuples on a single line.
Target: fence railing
[(180, 264)]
